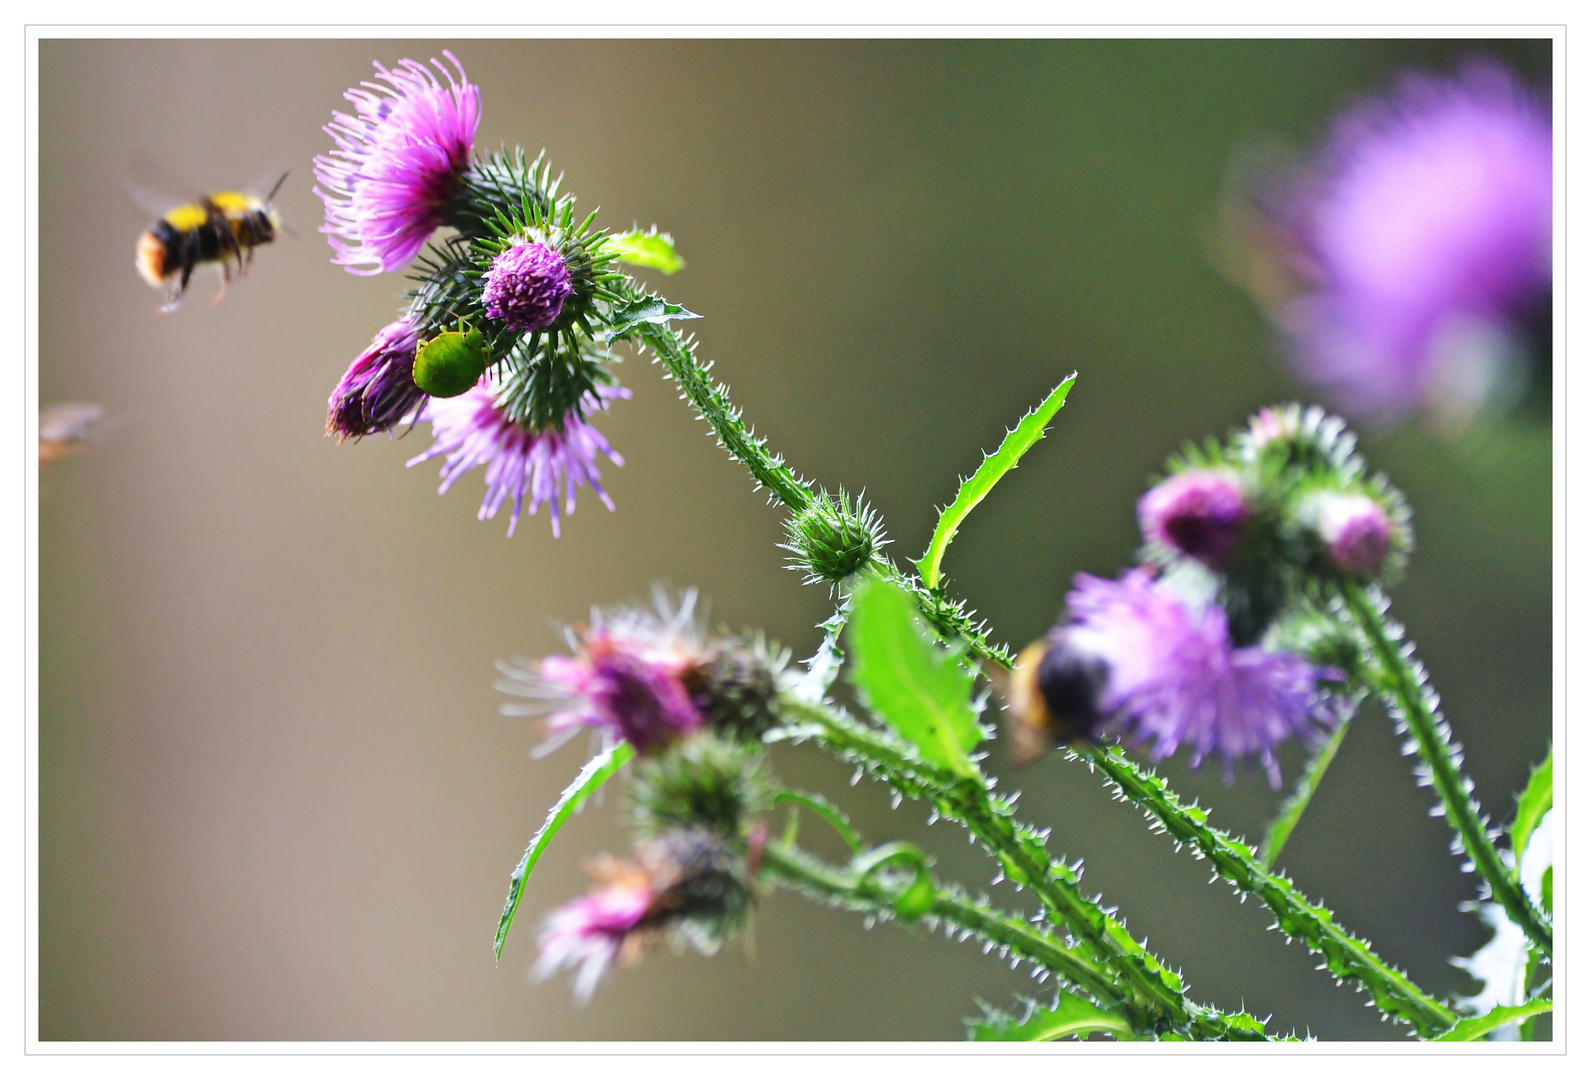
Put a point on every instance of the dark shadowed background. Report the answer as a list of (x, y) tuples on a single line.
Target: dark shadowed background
[(276, 799)]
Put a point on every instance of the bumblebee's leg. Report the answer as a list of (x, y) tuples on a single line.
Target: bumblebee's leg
[(178, 285), (226, 279)]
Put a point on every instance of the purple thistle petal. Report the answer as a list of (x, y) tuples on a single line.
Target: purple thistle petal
[(549, 464), (397, 163)]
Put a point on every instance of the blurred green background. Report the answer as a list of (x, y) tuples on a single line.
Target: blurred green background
[(276, 799)]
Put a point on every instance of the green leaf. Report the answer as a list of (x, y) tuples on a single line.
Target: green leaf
[(593, 776), (653, 250), (1298, 801), (1476, 1027), (920, 690), (648, 309), (1018, 441), (1534, 802), (1070, 1015)]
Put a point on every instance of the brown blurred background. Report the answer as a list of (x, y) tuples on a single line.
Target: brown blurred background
[(277, 801)]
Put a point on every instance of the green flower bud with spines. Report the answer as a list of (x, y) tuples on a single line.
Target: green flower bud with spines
[(703, 781), (736, 688), (834, 538)]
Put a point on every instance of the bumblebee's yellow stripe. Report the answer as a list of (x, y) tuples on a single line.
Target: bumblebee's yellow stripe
[(232, 202), (187, 216)]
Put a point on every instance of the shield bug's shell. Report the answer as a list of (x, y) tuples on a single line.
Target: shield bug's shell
[(450, 363)]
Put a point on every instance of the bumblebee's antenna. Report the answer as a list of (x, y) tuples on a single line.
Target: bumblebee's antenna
[(278, 186)]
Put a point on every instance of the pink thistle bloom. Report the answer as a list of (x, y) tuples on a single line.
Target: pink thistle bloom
[(546, 464), (526, 287), (592, 932), (1175, 678), (397, 165), (1426, 231), (1354, 529), (378, 390), (1200, 513), (626, 679)]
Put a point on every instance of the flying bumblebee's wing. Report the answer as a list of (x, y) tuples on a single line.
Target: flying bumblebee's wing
[(153, 190)]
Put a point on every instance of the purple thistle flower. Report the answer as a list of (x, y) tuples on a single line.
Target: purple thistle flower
[(526, 287), (397, 164), (590, 933), (548, 464), (377, 391), (1200, 513), (626, 679), (1353, 528), (1426, 229), (1175, 678)]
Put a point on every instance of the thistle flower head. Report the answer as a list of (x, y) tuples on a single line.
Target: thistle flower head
[(1426, 228), (549, 464), (526, 286), (702, 781), (398, 163), (377, 392), (1198, 512), (834, 538), (590, 933), (1174, 677), (1353, 529)]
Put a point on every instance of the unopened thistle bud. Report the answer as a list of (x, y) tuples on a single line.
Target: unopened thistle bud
[(834, 538), (526, 286), (701, 782), (378, 390), (1199, 513), (736, 688), (1353, 531)]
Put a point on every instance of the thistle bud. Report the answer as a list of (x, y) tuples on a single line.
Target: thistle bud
[(1354, 531), (702, 782), (736, 689), (834, 538), (1199, 513), (526, 287)]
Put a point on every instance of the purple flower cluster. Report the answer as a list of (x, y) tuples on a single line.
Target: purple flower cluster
[(377, 392), (526, 287), (548, 464), (1425, 232), (1174, 678), (397, 165)]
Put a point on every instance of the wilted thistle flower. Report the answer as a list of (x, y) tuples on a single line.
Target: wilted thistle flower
[(1424, 236), (548, 464), (377, 392), (1199, 513), (689, 881), (1173, 676), (395, 173), (526, 286)]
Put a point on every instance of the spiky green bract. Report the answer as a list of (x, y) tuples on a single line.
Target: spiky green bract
[(833, 538), (736, 687), (543, 385), (503, 178), (703, 781), (1411, 702), (1345, 956), (596, 772)]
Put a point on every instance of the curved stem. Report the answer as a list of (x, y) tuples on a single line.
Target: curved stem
[(825, 810), (1346, 955), (1402, 684)]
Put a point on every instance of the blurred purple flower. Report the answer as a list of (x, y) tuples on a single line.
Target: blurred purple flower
[(548, 464), (1425, 229), (1175, 678), (1200, 513), (590, 933), (526, 287), (397, 163), (377, 391), (1354, 530)]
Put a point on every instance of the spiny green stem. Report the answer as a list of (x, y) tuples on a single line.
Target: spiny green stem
[(877, 896), (1401, 681), (1346, 956), (1138, 976), (711, 400)]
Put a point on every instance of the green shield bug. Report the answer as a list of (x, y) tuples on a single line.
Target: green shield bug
[(451, 362)]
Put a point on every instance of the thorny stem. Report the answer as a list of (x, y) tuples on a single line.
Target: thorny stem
[(878, 896), (1401, 680), (1151, 990), (1346, 955), (711, 401)]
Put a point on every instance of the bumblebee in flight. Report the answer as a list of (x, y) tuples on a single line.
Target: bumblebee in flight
[(220, 229)]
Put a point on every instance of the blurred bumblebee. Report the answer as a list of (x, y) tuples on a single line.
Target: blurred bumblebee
[(1051, 695), (222, 229), (61, 427)]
